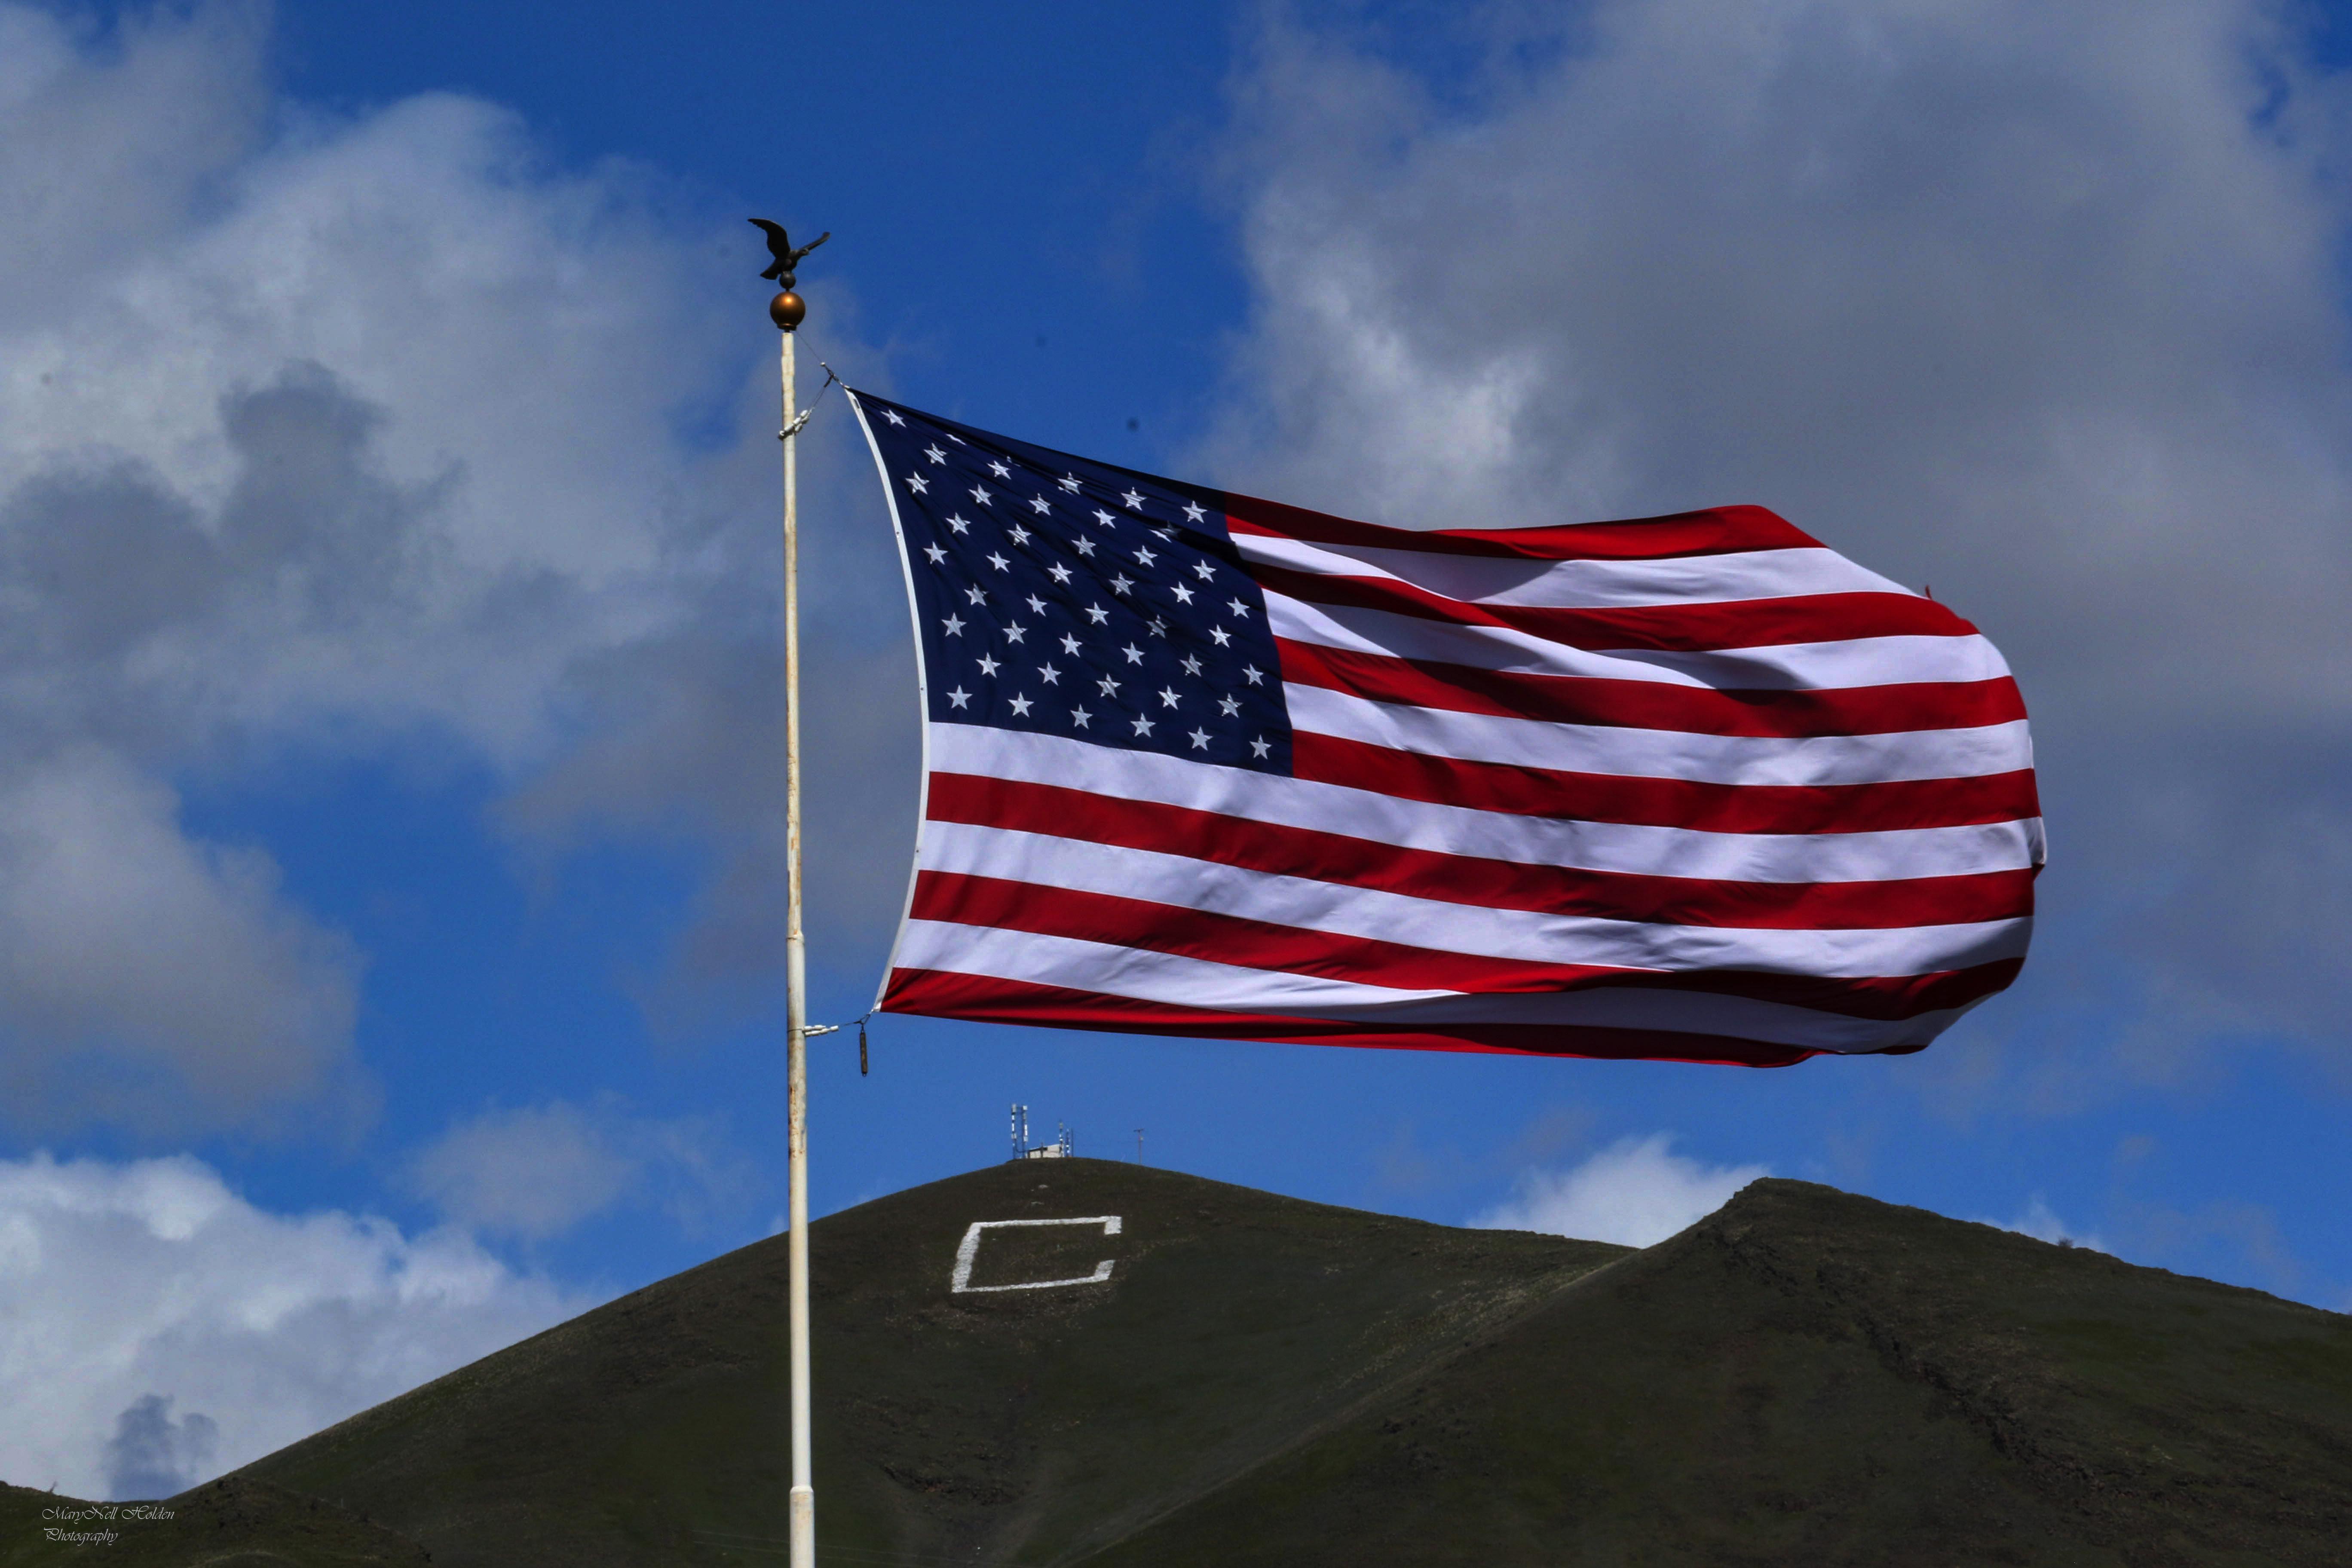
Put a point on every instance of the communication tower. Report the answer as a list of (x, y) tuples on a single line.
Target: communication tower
[(1061, 1148)]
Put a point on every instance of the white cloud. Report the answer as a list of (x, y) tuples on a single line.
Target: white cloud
[(538, 1171), (355, 437), (2041, 305), (151, 1280), (531, 1172), (2041, 1222), (1637, 1191), (129, 953)]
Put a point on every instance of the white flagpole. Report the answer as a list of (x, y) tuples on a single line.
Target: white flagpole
[(787, 310)]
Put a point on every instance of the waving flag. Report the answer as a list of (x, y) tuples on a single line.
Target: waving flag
[(1692, 787)]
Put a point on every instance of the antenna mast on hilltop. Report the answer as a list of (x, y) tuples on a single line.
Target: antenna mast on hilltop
[(787, 310)]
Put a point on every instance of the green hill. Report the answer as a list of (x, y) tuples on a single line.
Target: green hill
[(1805, 1378)]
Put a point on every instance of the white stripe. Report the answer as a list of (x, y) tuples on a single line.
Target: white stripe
[(1338, 909), (1079, 965), (1582, 585), (1490, 835), (1821, 760), (1793, 667)]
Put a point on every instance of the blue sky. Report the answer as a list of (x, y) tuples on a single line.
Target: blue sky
[(385, 478)]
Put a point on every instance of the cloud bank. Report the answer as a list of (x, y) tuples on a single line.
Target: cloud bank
[(535, 1171), (1636, 1192), (2041, 1222), (131, 1291), (2042, 306), (371, 437)]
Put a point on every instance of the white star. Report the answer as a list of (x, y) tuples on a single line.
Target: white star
[(959, 525), (1109, 686), (975, 595), (959, 696), (1078, 716), (1205, 571), (1183, 595), (988, 665), (934, 454), (1236, 606), (1096, 613), (1121, 584), (1146, 556), (1059, 573), (1168, 696), (1223, 636), (935, 552), (953, 625), (892, 415), (1254, 677), (917, 483), (1039, 503), (1036, 606), (1200, 740), (1133, 500), (1086, 546), (1259, 748), (980, 494), (1192, 664), (1158, 628), (1143, 726), (996, 465), (1020, 534), (1070, 645), (1105, 517), (1165, 532), (1069, 482), (1134, 653), (1020, 706), (1014, 632), (1230, 704), (957, 440), (1192, 510), (1051, 676), (999, 562)]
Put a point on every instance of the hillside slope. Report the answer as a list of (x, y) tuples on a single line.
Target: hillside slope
[(1806, 1377), (1809, 1377), (985, 1427)]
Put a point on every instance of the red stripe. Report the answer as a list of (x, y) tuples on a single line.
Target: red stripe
[(1718, 531), (1230, 939), (944, 994), (1666, 803), (1707, 628), (1885, 997), (1287, 851), (1002, 904), (1654, 705)]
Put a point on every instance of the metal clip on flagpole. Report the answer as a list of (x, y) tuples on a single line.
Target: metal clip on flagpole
[(787, 310)]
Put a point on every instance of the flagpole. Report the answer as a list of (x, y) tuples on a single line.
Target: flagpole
[(787, 310)]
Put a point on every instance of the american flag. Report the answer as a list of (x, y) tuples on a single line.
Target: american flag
[(1691, 787)]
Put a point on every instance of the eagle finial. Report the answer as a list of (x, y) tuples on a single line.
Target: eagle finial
[(780, 248)]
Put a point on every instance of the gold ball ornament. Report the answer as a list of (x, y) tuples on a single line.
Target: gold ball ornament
[(787, 309)]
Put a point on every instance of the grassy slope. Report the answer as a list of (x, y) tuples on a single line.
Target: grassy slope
[(1813, 1377), (980, 1426), (1806, 1377)]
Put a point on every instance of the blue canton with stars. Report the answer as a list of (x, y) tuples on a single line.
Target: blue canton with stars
[(1077, 599)]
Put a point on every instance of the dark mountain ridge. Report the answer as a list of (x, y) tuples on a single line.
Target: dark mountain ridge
[(1806, 1376)]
